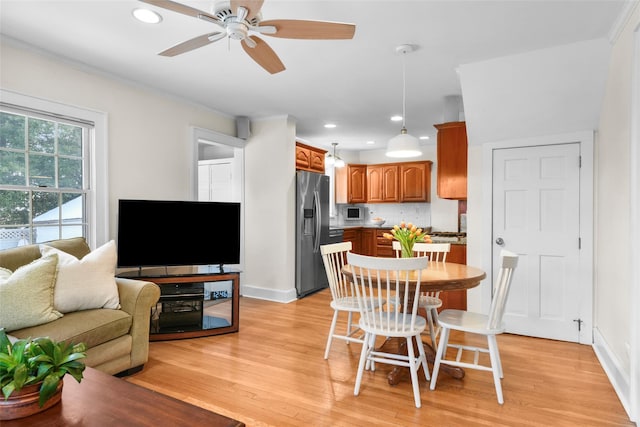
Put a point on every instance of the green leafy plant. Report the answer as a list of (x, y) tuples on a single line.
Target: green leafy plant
[(31, 361)]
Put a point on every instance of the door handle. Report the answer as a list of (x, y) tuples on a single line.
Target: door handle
[(499, 241)]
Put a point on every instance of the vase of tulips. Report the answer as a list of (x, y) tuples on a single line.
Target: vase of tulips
[(407, 234)]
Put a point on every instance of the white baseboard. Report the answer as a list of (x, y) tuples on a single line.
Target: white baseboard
[(277, 295), (609, 362)]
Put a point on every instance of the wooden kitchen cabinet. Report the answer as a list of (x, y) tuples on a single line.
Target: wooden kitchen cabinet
[(309, 158), (384, 246), (353, 235), (452, 160), (351, 184), (383, 183), (415, 181), (369, 242), (455, 299)]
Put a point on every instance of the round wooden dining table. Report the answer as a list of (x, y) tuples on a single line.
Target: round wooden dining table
[(438, 276)]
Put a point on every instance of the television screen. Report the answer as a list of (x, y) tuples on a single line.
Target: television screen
[(177, 233)]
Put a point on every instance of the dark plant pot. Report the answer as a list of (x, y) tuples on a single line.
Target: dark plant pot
[(24, 402)]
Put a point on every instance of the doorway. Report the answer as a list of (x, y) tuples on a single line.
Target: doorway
[(221, 178), (540, 208)]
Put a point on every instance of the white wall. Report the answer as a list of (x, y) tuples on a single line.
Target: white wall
[(543, 92), (150, 147), (613, 287), (270, 210)]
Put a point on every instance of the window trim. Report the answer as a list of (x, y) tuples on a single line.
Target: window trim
[(98, 194)]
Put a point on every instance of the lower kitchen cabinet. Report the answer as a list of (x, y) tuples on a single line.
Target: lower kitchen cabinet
[(353, 235), (384, 246), (368, 242), (455, 299)]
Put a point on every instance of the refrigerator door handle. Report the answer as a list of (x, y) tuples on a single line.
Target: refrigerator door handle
[(317, 217)]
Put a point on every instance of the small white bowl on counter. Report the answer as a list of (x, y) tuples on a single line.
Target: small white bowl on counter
[(378, 222)]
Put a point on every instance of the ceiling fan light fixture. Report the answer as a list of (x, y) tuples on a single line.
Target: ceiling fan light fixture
[(147, 16), (403, 145)]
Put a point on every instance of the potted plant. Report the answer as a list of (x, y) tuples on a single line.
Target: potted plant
[(38, 363)]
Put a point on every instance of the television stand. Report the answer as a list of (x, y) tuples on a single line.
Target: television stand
[(192, 303)]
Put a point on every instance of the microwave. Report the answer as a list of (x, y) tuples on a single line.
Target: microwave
[(353, 213)]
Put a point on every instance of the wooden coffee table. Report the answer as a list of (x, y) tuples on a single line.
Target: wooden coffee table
[(102, 400)]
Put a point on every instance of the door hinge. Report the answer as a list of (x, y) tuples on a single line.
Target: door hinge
[(579, 242), (579, 322), (579, 161)]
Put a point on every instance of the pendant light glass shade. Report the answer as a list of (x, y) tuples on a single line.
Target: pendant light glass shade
[(403, 145), (333, 159)]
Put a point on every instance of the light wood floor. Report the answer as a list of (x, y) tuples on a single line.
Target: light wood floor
[(272, 373)]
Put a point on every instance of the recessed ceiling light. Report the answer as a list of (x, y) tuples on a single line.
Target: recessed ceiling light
[(424, 137), (370, 142), (147, 16), (330, 125), (396, 118)]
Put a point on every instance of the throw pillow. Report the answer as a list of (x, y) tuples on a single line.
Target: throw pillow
[(86, 283), (26, 295)]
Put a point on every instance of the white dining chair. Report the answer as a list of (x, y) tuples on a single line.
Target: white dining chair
[(343, 298), (384, 279), (430, 301), (489, 325)]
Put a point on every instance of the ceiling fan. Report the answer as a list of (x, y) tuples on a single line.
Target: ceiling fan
[(237, 19)]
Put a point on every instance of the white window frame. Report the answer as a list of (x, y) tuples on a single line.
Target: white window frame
[(97, 203)]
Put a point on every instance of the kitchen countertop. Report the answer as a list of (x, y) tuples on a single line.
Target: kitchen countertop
[(454, 240)]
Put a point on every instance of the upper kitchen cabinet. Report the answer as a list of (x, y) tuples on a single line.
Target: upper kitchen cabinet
[(309, 158), (351, 184), (383, 183), (415, 181), (452, 160)]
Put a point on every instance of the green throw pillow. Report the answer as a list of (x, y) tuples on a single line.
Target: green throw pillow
[(26, 295)]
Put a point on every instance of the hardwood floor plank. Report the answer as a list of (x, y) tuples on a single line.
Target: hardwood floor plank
[(272, 373)]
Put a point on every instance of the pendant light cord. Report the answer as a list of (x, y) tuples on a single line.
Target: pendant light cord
[(404, 89)]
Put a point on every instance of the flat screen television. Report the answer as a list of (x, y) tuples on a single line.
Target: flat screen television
[(156, 233)]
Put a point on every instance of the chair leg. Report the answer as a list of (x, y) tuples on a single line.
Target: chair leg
[(423, 357), (432, 330), (331, 332), (349, 325), (442, 348), (498, 360), (413, 369), (364, 354), (370, 363), (495, 366)]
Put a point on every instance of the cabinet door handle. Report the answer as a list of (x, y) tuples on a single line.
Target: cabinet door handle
[(499, 241)]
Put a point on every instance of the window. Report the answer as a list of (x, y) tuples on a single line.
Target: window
[(48, 179)]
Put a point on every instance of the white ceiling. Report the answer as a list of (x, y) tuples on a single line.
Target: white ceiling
[(356, 83)]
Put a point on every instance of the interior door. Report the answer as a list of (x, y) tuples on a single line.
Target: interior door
[(536, 211), (215, 180)]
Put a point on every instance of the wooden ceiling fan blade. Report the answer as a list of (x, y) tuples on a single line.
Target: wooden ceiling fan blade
[(181, 8), (263, 55), (314, 30), (253, 7), (192, 44)]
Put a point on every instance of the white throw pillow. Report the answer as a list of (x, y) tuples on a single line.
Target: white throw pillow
[(26, 295), (86, 283)]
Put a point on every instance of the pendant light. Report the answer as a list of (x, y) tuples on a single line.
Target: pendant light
[(333, 159), (404, 145)]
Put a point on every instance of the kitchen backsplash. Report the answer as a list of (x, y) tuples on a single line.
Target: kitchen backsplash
[(393, 213)]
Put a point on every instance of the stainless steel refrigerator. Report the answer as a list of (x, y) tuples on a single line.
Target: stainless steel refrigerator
[(312, 230)]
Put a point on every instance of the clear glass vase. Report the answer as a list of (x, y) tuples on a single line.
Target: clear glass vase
[(407, 249)]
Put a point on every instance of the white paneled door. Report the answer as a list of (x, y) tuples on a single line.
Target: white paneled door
[(536, 212)]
